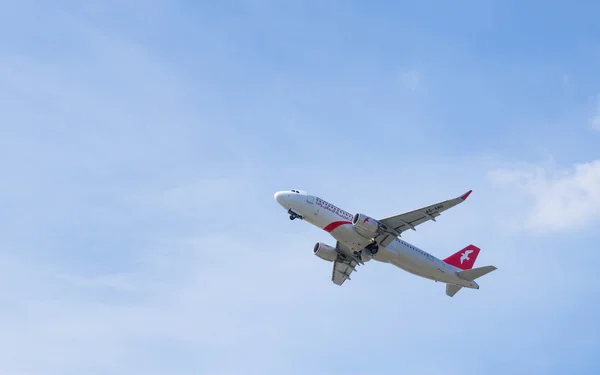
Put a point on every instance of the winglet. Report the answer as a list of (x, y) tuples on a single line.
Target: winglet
[(466, 195)]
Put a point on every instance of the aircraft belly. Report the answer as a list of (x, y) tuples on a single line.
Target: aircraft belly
[(408, 268), (317, 220), (393, 253), (420, 267), (385, 254), (349, 237)]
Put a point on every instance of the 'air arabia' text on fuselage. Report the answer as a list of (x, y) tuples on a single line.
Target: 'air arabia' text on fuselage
[(336, 210)]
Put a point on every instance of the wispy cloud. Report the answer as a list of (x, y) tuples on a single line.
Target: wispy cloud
[(560, 198)]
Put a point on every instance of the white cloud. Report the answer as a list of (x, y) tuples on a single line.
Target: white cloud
[(561, 198)]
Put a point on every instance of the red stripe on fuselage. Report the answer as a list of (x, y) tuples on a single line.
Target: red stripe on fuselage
[(331, 226)]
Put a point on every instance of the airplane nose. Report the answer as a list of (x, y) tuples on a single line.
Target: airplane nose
[(279, 197)]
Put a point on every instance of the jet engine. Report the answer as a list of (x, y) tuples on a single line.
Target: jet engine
[(366, 225), (325, 252)]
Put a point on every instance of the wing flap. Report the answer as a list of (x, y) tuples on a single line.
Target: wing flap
[(342, 270), (344, 265)]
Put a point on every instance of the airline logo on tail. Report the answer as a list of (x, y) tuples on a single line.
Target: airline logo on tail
[(465, 258)]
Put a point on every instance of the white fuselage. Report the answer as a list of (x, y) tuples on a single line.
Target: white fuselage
[(400, 253)]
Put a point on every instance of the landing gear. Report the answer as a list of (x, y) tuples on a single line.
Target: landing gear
[(294, 215), (373, 248)]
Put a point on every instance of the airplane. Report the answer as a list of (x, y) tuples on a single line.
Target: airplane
[(360, 238)]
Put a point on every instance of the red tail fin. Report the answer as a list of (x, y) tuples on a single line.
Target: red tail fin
[(465, 258)]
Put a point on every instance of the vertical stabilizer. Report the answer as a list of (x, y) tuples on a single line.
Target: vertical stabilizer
[(465, 258)]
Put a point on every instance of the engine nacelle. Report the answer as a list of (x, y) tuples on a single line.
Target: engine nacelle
[(366, 224), (325, 252)]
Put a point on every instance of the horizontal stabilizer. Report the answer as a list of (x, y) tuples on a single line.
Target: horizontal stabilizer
[(475, 273), (451, 289)]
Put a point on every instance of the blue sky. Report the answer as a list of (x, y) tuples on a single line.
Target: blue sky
[(142, 143)]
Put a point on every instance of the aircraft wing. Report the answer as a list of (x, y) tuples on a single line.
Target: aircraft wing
[(342, 268), (409, 220)]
